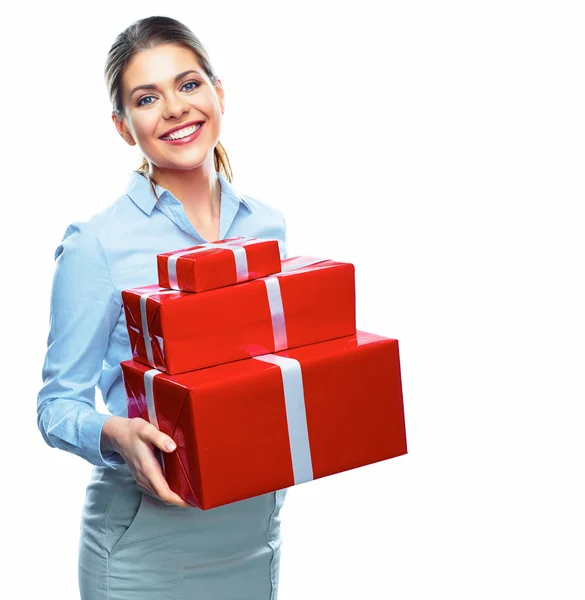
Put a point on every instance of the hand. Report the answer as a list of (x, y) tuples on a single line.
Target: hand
[(134, 439)]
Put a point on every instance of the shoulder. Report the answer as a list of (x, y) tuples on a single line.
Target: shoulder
[(269, 222), (92, 235), (264, 209)]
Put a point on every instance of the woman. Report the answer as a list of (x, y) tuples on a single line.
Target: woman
[(138, 538)]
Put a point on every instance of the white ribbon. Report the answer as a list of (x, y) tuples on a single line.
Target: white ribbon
[(149, 393), (276, 313), (236, 246), (296, 417), (144, 321), (294, 263), (275, 301)]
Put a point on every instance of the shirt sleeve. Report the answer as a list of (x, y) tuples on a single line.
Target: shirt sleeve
[(84, 310)]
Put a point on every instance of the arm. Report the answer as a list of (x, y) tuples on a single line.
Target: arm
[(84, 310)]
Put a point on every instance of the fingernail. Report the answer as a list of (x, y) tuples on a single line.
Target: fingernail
[(170, 446)]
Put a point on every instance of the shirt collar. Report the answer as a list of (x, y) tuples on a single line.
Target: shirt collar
[(139, 191)]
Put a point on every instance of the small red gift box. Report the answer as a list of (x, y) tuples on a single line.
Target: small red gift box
[(217, 264), (310, 301), (266, 423)]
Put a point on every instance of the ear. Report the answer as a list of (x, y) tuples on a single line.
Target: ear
[(122, 129), (220, 94)]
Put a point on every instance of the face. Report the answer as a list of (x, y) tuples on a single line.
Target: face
[(149, 113)]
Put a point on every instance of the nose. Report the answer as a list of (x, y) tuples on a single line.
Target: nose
[(175, 106)]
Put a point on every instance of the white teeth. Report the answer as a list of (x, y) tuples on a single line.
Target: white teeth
[(181, 133)]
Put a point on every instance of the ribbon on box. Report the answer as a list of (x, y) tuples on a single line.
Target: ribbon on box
[(300, 262), (273, 294), (144, 321), (296, 416), (149, 393), (275, 301), (236, 246)]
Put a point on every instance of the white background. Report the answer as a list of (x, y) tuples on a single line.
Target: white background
[(439, 146)]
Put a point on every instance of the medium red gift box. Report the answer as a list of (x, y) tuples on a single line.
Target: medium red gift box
[(310, 301), (217, 264), (266, 423)]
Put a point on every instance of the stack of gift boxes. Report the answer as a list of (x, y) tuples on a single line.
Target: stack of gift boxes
[(254, 367)]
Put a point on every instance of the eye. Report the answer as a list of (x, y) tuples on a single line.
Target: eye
[(140, 103), (195, 83)]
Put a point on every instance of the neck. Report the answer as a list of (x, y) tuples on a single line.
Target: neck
[(197, 189)]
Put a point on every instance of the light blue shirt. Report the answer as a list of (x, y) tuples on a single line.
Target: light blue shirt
[(116, 250)]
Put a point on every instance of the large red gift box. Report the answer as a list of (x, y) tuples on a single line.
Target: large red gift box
[(310, 301), (266, 423), (216, 264)]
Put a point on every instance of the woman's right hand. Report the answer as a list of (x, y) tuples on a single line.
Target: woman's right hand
[(134, 439)]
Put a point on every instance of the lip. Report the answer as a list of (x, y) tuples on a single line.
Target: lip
[(179, 127), (185, 140)]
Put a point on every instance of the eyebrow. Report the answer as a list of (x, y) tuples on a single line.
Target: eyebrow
[(152, 86)]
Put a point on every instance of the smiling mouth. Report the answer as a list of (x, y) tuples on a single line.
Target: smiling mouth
[(182, 133)]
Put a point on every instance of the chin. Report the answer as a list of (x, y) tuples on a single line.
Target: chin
[(180, 165)]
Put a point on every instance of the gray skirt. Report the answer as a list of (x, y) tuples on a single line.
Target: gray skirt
[(133, 546)]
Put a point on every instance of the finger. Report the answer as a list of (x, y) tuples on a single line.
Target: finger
[(154, 479), (147, 469), (179, 502), (168, 496), (164, 492), (159, 439), (146, 490)]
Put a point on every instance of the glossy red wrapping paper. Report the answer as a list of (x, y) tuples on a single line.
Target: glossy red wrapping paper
[(230, 421), (189, 331), (216, 267)]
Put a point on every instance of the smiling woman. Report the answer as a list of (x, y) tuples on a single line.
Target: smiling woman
[(166, 105), (169, 102), (140, 540), (177, 45)]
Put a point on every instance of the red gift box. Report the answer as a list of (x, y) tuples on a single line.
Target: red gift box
[(217, 264), (310, 301), (266, 423)]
